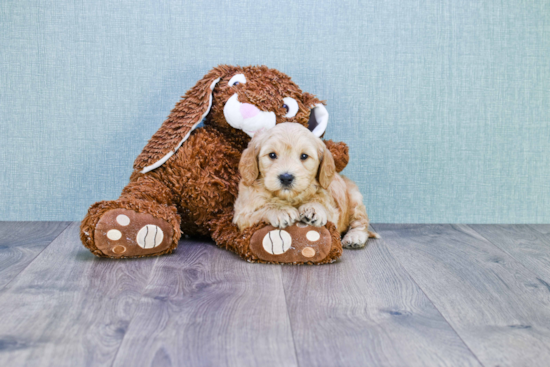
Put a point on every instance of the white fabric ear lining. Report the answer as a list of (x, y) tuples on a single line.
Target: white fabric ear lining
[(321, 117), (171, 153)]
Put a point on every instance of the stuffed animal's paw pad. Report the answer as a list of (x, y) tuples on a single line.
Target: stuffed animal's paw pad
[(277, 242)]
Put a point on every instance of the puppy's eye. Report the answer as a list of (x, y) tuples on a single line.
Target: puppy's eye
[(272, 155), (291, 106), (236, 80), (304, 156)]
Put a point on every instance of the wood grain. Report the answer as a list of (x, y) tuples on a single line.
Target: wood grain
[(498, 307), (21, 242), (365, 310), (530, 245), (69, 308), (423, 295), (543, 229), (206, 307)]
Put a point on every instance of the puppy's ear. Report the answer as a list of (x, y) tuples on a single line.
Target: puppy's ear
[(327, 168), (248, 166), (183, 119)]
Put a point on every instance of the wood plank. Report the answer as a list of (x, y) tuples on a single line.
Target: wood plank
[(365, 310), (21, 242), (530, 245), (69, 308), (498, 307), (206, 307), (544, 229)]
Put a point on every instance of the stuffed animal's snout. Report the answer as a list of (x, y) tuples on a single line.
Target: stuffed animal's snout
[(248, 110), (247, 117)]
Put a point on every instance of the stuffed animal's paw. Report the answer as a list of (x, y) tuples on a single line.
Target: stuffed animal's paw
[(313, 214), (125, 233), (282, 217), (296, 244)]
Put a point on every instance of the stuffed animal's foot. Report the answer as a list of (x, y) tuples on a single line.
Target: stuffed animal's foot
[(297, 244), (123, 231)]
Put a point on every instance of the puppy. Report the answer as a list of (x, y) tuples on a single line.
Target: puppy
[(288, 175)]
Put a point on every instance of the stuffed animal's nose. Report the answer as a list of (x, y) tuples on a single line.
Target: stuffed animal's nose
[(286, 179), (249, 110)]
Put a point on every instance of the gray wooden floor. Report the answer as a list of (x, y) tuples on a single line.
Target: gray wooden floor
[(423, 295)]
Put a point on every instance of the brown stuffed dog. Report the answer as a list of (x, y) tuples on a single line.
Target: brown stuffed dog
[(186, 179)]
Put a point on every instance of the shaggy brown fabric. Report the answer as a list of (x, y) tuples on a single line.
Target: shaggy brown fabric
[(196, 188), (340, 154)]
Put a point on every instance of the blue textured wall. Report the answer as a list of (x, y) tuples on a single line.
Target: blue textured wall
[(445, 104)]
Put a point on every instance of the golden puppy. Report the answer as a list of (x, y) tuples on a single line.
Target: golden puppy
[(288, 175)]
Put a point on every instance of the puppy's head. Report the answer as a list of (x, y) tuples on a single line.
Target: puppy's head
[(289, 159)]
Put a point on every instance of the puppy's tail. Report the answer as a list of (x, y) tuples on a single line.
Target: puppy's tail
[(373, 235)]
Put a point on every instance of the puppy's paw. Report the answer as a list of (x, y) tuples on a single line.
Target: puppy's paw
[(282, 217), (313, 214), (355, 238)]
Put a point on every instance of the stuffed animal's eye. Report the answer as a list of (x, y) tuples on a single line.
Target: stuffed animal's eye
[(236, 80), (291, 106), (272, 155), (304, 156)]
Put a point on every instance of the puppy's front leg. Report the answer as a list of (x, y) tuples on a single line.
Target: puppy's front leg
[(281, 217), (314, 214)]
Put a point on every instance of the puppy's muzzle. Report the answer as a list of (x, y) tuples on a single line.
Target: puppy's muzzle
[(286, 179)]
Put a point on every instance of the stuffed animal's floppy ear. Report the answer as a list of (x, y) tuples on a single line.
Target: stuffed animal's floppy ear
[(327, 168), (318, 120), (183, 119), (248, 166)]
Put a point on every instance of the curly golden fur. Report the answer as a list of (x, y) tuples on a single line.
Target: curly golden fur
[(289, 175)]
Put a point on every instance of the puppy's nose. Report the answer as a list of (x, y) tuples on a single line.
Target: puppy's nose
[(286, 179)]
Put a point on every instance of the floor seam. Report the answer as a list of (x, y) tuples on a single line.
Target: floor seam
[(507, 253), (532, 226), (427, 297), (38, 254), (139, 304), (289, 319)]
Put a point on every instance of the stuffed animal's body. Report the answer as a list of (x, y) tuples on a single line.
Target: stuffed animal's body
[(186, 179)]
